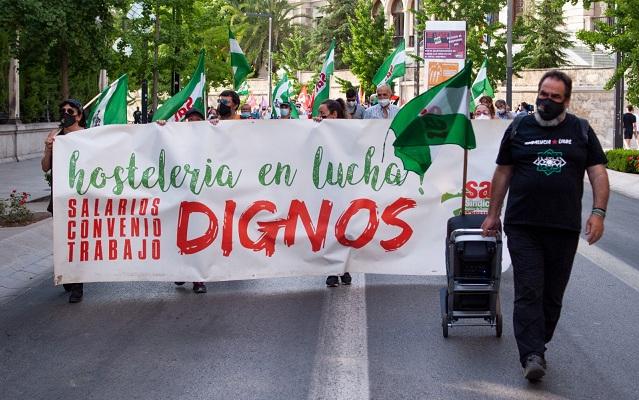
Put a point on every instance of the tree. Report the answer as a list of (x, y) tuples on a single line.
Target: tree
[(332, 26), (621, 36), (485, 37), (253, 30), (298, 52), (369, 45), (544, 40)]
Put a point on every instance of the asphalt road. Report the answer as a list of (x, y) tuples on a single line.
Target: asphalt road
[(295, 339)]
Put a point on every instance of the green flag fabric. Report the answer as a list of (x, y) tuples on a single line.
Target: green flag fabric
[(243, 90), (239, 63), (438, 116), (281, 95), (192, 96), (481, 85), (322, 87), (111, 105), (393, 67)]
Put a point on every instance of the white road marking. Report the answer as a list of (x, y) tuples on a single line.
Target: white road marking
[(611, 264), (340, 365)]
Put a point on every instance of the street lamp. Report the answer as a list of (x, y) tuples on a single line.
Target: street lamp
[(270, 53)]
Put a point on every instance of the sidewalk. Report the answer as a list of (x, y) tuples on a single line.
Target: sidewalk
[(27, 252), (23, 176)]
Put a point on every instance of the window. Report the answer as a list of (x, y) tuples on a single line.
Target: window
[(397, 11)]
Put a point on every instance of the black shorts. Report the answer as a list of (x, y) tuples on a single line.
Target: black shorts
[(627, 134)]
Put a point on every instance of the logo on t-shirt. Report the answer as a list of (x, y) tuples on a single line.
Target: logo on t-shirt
[(549, 162)]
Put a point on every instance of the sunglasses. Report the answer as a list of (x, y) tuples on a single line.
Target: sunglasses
[(69, 111)]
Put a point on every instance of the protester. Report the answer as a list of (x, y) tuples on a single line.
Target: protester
[(342, 103), (353, 108), (137, 116), (523, 109), (383, 109), (285, 110), (482, 111), (332, 109), (72, 120), (245, 111), (372, 100), (541, 161), (629, 126), (488, 102), (502, 110), (227, 105)]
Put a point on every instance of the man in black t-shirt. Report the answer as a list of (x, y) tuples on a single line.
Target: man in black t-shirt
[(541, 162), (629, 126)]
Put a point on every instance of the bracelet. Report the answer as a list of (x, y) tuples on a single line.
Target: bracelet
[(599, 211)]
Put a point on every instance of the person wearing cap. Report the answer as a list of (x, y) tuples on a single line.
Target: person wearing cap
[(71, 120), (285, 110)]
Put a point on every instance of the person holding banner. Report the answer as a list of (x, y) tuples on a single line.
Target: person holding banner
[(227, 105), (332, 109), (72, 120), (541, 162)]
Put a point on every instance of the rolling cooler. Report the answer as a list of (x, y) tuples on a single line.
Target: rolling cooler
[(473, 271)]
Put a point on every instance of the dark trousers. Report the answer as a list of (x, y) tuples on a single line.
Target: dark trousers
[(542, 261)]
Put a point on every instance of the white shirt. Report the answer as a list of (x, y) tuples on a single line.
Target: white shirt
[(375, 112)]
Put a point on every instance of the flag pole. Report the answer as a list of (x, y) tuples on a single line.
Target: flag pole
[(464, 179)]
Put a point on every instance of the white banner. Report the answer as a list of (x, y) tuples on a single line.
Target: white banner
[(255, 199)]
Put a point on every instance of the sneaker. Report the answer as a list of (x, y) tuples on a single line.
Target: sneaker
[(199, 287), (534, 367), (346, 278), (179, 283), (76, 293), (332, 281)]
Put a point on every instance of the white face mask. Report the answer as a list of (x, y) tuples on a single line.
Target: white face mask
[(482, 116), (351, 103), (384, 102), (284, 112)]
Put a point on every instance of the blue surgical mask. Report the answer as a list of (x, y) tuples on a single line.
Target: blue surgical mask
[(284, 112), (245, 115)]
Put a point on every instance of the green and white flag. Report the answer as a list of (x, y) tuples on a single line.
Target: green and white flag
[(438, 116), (322, 87), (481, 85), (393, 67), (111, 106), (244, 89), (192, 96), (239, 63), (281, 94)]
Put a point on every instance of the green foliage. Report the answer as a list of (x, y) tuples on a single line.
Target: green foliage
[(623, 37), (623, 160), (478, 29), (332, 26), (346, 84), (298, 52), (370, 43), (253, 32), (544, 40), (13, 210)]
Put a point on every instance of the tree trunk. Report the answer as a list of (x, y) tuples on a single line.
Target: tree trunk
[(64, 73)]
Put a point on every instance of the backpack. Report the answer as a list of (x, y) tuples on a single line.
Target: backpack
[(583, 125)]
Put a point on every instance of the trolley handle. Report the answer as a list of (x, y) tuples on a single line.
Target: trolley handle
[(476, 233)]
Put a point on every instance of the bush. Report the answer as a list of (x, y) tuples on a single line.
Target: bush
[(623, 160), (13, 209)]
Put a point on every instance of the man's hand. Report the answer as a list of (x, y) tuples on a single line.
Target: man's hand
[(491, 226), (594, 228)]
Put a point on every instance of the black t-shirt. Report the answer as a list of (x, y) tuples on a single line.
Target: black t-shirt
[(548, 171), (628, 120)]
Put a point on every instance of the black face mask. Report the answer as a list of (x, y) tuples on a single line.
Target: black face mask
[(67, 120), (548, 109), (223, 110)]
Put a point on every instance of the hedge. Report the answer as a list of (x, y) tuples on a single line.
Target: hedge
[(623, 160)]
